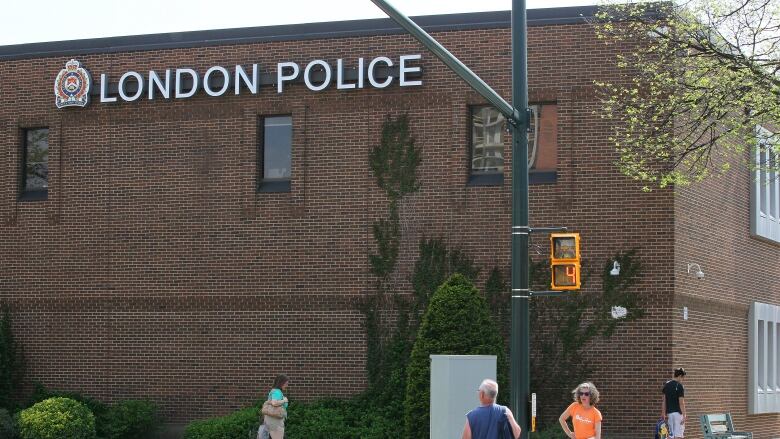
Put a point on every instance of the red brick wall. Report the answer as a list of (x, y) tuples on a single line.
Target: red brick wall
[(155, 270), (712, 226)]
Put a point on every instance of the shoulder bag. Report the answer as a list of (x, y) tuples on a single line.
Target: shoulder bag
[(274, 411)]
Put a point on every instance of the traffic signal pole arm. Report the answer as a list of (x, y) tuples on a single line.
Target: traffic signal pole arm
[(512, 114)]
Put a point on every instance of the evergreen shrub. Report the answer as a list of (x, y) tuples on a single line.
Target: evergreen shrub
[(41, 393), (457, 322), (242, 424), (343, 419), (134, 419), (57, 418)]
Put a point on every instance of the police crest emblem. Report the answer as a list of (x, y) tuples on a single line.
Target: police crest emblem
[(71, 88)]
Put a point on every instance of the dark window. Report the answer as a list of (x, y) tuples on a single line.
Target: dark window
[(275, 153), (34, 184), (488, 128)]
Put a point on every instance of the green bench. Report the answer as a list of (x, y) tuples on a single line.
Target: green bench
[(719, 426)]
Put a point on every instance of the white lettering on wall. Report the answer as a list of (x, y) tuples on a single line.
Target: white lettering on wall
[(281, 77), (403, 70), (340, 76), (123, 82), (207, 84), (361, 72), (180, 83), (104, 89), (242, 77), (307, 75), (155, 82), (318, 75), (372, 65)]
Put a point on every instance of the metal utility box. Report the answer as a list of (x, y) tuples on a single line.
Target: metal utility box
[(455, 380)]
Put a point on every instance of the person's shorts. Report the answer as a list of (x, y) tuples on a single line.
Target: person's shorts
[(676, 426)]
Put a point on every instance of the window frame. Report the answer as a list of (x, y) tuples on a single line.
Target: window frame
[(272, 184), (25, 194), (497, 178), (765, 225), (763, 355)]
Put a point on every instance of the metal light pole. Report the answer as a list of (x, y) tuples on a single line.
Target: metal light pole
[(520, 339), (517, 115)]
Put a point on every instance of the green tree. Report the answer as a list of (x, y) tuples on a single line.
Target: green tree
[(457, 322), (696, 79)]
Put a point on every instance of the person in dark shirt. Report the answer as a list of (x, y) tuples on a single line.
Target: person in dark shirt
[(673, 404), (490, 420)]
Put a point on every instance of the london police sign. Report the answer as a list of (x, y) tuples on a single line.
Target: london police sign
[(72, 86)]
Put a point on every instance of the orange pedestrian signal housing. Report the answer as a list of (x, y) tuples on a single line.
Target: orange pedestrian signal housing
[(565, 261)]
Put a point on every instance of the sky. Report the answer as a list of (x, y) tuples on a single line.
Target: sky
[(32, 21)]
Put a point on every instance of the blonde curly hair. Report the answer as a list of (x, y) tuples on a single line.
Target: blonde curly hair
[(594, 393)]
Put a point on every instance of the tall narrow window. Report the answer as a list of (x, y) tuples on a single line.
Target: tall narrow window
[(487, 145), (763, 333), (765, 191), (275, 153), (770, 361), (776, 348), (762, 176), (34, 181), (761, 382), (543, 143), (774, 188)]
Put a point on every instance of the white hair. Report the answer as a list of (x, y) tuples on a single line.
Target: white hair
[(489, 388)]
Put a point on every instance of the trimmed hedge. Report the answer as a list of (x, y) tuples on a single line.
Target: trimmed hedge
[(457, 322), (57, 418), (41, 393), (326, 419), (131, 419), (134, 419), (343, 419), (242, 424)]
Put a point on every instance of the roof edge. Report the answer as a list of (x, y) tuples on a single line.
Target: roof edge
[(290, 32)]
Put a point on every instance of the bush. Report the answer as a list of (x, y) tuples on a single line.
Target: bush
[(129, 420), (57, 418), (343, 419), (327, 419), (41, 393), (7, 425), (457, 322), (242, 424)]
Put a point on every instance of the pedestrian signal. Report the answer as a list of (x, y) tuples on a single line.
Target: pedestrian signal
[(565, 261)]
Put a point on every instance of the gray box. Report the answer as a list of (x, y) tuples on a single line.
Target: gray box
[(455, 380)]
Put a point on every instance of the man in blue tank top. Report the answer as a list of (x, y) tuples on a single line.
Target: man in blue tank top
[(490, 420)]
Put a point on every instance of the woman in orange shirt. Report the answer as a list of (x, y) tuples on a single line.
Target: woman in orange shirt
[(585, 418)]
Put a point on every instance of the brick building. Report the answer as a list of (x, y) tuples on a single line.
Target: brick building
[(186, 240)]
